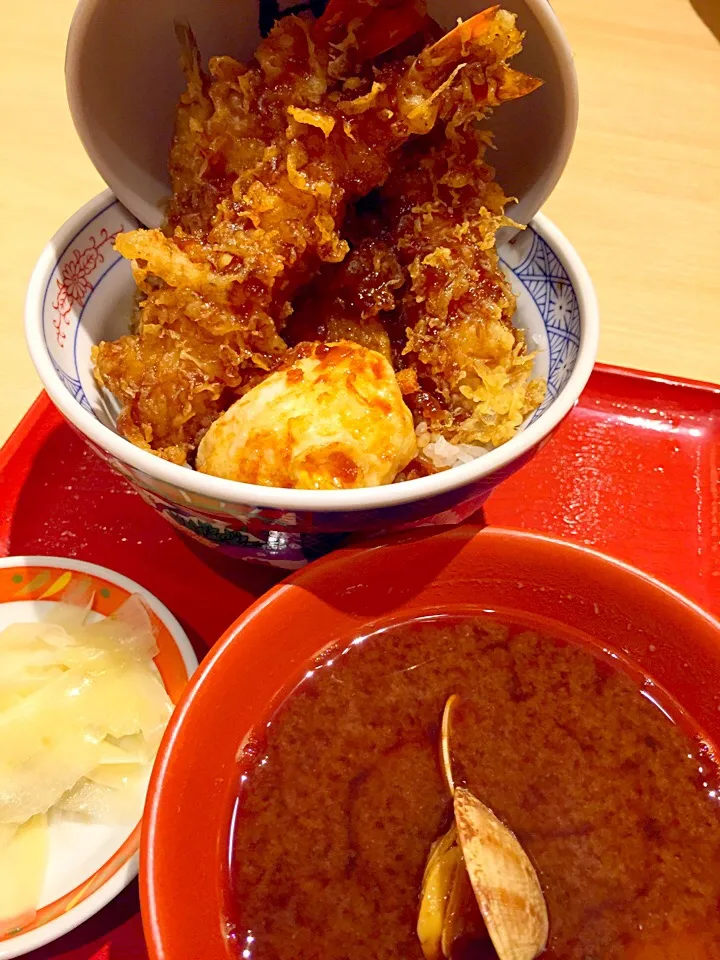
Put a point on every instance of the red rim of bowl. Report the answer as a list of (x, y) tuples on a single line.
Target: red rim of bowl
[(385, 580)]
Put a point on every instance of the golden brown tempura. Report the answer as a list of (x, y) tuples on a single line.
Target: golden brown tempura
[(470, 362), (330, 417), (266, 163), (425, 286)]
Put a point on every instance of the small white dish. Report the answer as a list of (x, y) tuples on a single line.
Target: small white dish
[(89, 864)]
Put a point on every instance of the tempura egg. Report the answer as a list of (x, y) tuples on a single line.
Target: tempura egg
[(332, 417)]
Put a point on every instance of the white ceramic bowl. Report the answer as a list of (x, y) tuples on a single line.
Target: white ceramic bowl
[(89, 864), (81, 292), (123, 82)]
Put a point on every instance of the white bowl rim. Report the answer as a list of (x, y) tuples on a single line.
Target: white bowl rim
[(320, 501), (59, 926)]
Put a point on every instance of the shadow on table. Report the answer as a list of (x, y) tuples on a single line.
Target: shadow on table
[(116, 931), (709, 13)]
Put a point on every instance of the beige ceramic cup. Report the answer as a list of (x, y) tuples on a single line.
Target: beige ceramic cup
[(123, 81)]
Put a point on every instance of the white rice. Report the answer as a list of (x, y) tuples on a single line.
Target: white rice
[(443, 454)]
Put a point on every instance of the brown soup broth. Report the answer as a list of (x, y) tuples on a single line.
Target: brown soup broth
[(609, 789)]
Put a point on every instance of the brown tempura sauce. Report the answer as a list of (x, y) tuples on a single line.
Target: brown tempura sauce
[(615, 803)]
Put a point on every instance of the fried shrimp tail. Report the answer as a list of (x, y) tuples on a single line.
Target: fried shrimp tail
[(376, 28)]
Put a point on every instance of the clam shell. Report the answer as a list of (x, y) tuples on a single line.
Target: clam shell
[(445, 760), (441, 868), (504, 880)]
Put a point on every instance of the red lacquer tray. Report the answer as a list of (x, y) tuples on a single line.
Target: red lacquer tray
[(634, 471)]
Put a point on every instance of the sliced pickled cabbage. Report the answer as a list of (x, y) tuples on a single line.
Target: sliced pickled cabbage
[(82, 712), (7, 832), (112, 794), (23, 860)]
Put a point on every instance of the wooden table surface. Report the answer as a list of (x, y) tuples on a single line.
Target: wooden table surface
[(639, 199)]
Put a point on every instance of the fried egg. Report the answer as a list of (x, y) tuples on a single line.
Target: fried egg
[(332, 417)]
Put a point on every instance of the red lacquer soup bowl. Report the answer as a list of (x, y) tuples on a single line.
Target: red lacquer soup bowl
[(184, 869)]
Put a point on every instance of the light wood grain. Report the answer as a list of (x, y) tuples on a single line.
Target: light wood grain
[(639, 199), (44, 175)]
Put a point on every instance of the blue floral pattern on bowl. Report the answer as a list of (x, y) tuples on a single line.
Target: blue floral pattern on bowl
[(546, 281)]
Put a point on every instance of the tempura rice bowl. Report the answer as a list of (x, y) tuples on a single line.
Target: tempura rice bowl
[(81, 293)]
